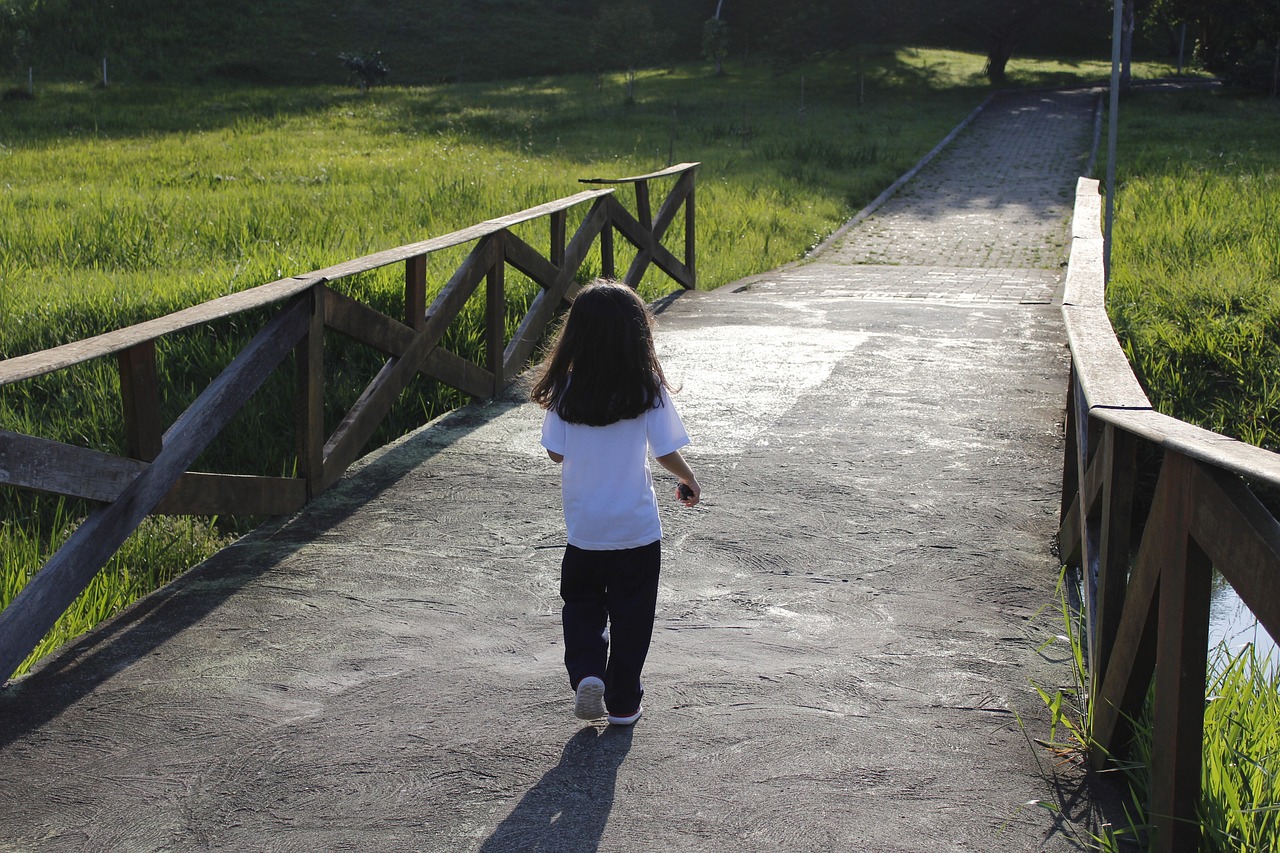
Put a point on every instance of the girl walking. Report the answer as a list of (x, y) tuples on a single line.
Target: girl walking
[(607, 408)]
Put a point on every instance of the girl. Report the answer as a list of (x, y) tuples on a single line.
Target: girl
[(607, 407)]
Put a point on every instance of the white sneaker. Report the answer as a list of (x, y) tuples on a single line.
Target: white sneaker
[(588, 702), (625, 720)]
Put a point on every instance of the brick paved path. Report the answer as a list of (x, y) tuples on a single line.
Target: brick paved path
[(985, 221)]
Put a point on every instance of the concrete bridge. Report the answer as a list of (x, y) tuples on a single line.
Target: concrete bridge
[(849, 632)]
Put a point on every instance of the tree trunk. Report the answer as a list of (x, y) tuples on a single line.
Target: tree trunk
[(998, 56)]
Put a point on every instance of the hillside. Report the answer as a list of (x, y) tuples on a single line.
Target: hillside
[(298, 41)]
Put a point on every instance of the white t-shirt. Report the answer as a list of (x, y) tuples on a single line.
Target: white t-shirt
[(606, 482)]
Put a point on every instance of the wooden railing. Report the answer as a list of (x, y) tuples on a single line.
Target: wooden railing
[(1148, 606), (153, 477)]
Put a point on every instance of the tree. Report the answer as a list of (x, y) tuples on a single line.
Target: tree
[(624, 36), (368, 71), (715, 42), (1000, 26)]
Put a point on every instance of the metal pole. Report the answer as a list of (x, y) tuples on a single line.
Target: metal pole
[(1113, 125)]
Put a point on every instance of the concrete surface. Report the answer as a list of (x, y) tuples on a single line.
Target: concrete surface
[(849, 627)]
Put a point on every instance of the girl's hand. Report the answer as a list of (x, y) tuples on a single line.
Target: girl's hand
[(689, 493)]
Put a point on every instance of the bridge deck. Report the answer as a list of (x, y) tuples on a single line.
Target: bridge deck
[(848, 628)]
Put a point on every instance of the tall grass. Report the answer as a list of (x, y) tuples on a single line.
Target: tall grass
[(123, 204), (1194, 292)]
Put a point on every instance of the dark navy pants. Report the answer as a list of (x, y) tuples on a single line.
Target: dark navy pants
[(609, 602)]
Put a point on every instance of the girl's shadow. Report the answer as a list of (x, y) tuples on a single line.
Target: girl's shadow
[(565, 812)]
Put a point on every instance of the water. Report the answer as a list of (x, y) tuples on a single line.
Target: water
[(1232, 623)]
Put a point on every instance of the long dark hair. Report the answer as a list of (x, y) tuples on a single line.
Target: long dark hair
[(606, 346)]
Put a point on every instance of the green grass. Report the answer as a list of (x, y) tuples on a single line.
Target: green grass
[(1195, 286), (126, 203), (160, 550)]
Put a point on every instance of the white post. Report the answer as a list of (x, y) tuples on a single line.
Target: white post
[(104, 72), (31, 81)]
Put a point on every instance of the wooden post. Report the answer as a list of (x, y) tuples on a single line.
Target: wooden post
[(415, 292), (606, 251), (309, 415), (496, 317), (644, 211), (690, 260), (1113, 552), (1177, 730), (140, 397), (1070, 469), (556, 252)]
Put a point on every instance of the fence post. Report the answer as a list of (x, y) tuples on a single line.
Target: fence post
[(310, 397), (1113, 552), (496, 315), (1177, 729), (140, 397), (689, 257), (606, 248), (556, 250), (415, 292)]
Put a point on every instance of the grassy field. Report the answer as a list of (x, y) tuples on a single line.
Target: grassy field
[(125, 203)]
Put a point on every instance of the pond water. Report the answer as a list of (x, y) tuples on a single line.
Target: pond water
[(1232, 623)]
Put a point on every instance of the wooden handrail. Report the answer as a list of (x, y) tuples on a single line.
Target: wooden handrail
[(154, 478), (1148, 615)]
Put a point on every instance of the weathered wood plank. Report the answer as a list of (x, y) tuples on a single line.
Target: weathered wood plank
[(63, 469), (1070, 475), (357, 427), (1253, 463), (1177, 727), (650, 251), (1101, 366), (495, 319), (34, 610), (47, 361), (1113, 560), (1084, 285), (233, 494), (367, 325), (309, 397), (1118, 698), (525, 258), (456, 372), (456, 238), (1242, 539), (559, 222), (529, 332), (690, 243), (415, 291), (644, 212), (362, 323), (661, 173), (1069, 537), (1086, 218), (140, 400)]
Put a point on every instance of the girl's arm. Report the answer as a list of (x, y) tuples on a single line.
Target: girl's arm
[(675, 463)]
